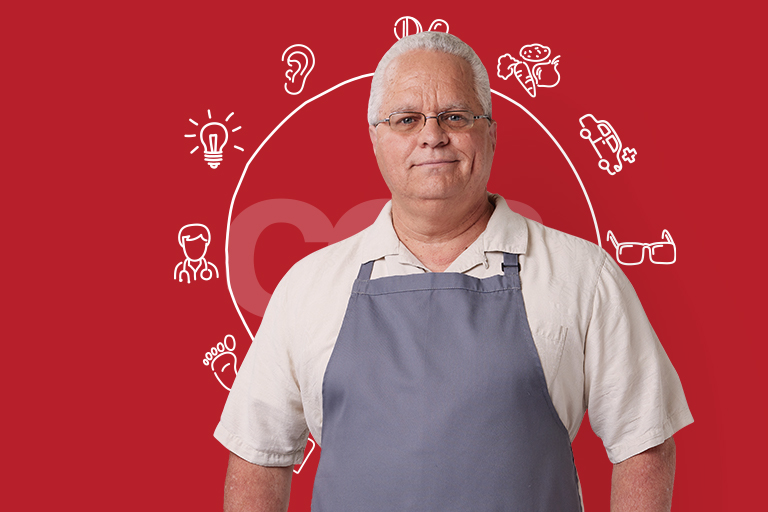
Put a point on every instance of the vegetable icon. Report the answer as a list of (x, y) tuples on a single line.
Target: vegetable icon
[(544, 73)]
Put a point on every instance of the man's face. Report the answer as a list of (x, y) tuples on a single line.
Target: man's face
[(433, 163), (194, 248)]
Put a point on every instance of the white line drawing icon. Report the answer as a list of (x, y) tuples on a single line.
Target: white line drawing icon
[(628, 155), (438, 26), (633, 253), (306, 455), (194, 240), (213, 137), (213, 150), (606, 135), (544, 72), (408, 25), (300, 65), (256, 304), (223, 362)]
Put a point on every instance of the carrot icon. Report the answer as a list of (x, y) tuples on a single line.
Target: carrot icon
[(544, 72), (526, 79)]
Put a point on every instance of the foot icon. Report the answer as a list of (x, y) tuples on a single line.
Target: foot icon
[(223, 362)]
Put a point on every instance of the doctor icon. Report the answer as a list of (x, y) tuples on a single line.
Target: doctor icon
[(194, 240)]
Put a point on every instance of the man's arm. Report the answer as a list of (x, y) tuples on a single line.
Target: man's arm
[(644, 482), (253, 488)]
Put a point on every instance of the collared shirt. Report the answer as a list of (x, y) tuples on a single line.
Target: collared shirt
[(595, 343)]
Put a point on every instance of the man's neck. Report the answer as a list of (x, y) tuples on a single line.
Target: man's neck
[(437, 231)]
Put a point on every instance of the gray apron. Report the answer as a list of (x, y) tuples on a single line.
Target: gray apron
[(434, 399)]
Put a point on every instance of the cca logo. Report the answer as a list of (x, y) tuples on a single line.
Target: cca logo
[(315, 227), (313, 223)]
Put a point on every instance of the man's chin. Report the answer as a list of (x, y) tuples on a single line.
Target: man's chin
[(433, 194), (436, 166), (439, 185)]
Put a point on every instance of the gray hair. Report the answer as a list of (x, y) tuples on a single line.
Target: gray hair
[(433, 41)]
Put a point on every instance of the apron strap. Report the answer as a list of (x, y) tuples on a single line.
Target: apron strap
[(365, 271), (511, 268)]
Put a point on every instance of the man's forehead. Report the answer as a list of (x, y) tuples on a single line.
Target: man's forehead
[(406, 105), (428, 76), (421, 58)]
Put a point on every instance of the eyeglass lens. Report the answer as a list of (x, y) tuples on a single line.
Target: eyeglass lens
[(632, 254), (663, 253), (412, 121)]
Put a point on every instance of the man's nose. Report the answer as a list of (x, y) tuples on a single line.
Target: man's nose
[(433, 134)]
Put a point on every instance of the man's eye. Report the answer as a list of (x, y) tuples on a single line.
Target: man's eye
[(456, 118), (406, 120)]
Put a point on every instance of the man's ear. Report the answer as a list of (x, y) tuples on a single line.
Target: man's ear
[(492, 133), (374, 136)]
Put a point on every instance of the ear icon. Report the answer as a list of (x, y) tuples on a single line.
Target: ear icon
[(301, 61)]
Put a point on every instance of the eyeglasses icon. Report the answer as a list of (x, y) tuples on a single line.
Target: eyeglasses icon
[(633, 253)]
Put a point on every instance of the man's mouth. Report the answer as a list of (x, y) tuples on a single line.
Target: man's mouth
[(435, 162)]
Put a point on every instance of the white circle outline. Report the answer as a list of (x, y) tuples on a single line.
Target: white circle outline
[(340, 84)]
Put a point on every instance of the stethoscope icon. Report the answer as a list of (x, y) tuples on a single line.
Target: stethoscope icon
[(206, 274)]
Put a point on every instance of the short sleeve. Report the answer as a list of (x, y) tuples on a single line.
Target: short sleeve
[(263, 419), (634, 396)]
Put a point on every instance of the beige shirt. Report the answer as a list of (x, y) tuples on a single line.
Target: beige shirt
[(596, 346)]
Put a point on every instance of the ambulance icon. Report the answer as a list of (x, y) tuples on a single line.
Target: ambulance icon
[(602, 136)]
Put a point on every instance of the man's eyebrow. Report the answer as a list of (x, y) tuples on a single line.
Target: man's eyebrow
[(456, 106), (405, 108), (445, 108)]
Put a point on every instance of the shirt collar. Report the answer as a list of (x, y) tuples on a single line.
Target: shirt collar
[(506, 231), (380, 238)]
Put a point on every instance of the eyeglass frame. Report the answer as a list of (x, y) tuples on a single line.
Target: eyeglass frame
[(437, 117), (664, 234)]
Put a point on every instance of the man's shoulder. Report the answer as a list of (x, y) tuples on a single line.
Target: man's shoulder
[(561, 249), (337, 261)]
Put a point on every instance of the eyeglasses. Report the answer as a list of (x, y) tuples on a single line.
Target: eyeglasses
[(633, 253), (413, 122)]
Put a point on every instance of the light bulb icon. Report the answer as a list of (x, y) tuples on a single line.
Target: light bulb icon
[(213, 136)]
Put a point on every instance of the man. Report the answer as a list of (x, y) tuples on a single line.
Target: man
[(445, 356)]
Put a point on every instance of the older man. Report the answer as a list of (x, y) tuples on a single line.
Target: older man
[(445, 356)]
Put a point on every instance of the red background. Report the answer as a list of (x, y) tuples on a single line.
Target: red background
[(107, 402)]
